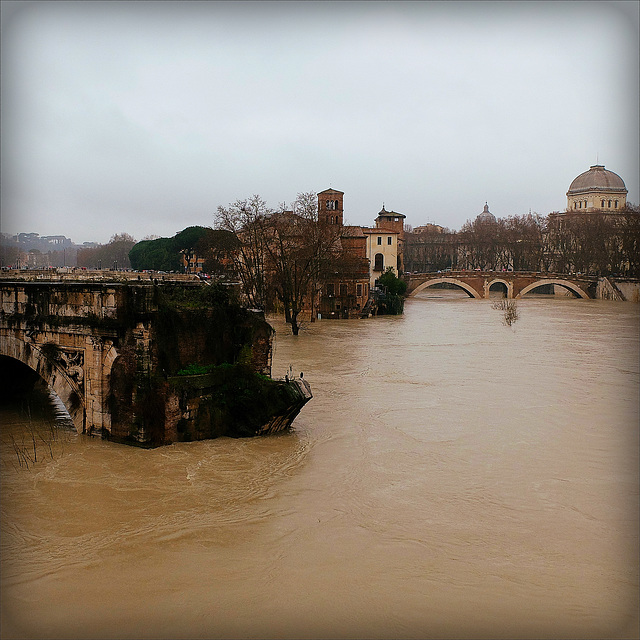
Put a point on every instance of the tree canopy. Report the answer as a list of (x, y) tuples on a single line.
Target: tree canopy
[(163, 254)]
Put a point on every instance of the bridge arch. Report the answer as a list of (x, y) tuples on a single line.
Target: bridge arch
[(580, 293), (508, 287), (458, 283), (35, 357)]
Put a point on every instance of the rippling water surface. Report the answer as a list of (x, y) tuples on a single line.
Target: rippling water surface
[(452, 477)]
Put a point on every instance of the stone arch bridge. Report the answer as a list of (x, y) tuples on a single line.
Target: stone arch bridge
[(513, 284), (111, 348)]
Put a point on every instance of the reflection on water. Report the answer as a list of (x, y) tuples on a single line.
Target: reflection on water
[(452, 477)]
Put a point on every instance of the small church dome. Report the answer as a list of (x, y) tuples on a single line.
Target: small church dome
[(486, 215)]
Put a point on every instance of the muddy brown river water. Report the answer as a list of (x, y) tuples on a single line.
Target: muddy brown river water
[(451, 478)]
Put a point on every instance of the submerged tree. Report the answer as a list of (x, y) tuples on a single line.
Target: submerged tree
[(246, 220), (394, 289), (509, 310)]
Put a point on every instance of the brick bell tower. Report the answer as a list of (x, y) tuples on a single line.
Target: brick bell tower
[(330, 208)]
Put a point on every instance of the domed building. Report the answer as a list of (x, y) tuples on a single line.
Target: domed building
[(597, 190), (486, 215)]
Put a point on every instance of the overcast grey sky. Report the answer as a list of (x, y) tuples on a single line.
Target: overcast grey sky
[(143, 117)]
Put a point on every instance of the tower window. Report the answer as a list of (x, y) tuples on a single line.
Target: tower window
[(615, 204), (575, 205), (609, 204), (602, 203)]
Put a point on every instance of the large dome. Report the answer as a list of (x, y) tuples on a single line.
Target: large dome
[(597, 179)]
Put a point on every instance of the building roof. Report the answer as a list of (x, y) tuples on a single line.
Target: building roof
[(380, 231), (597, 179), (330, 191), (392, 214), (350, 231)]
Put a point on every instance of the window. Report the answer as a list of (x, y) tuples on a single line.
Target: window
[(359, 290), (379, 239), (331, 289), (378, 262), (388, 239), (615, 204), (343, 289), (575, 205), (602, 203), (609, 204)]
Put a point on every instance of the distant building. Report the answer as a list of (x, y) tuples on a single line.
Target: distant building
[(596, 190), (429, 228), (191, 261)]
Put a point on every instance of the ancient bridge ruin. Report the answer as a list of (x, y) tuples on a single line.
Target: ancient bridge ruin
[(117, 350), (513, 284)]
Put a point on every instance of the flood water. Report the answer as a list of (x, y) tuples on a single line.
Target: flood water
[(452, 477)]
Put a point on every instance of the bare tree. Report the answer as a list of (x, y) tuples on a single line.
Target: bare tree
[(280, 253), (246, 219), (298, 246)]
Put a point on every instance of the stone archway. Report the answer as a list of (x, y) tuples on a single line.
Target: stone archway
[(458, 283), (506, 288), (563, 283), (61, 369)]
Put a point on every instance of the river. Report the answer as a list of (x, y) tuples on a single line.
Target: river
[(453, 477)]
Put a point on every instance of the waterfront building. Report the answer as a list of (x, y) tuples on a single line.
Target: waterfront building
[(362, 255), (382, 252), (344, 287)]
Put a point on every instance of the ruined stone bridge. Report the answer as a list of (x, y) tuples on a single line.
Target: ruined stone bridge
[(146, 360), (513, 284)]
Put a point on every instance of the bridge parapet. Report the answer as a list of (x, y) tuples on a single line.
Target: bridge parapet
[(76, 274)]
